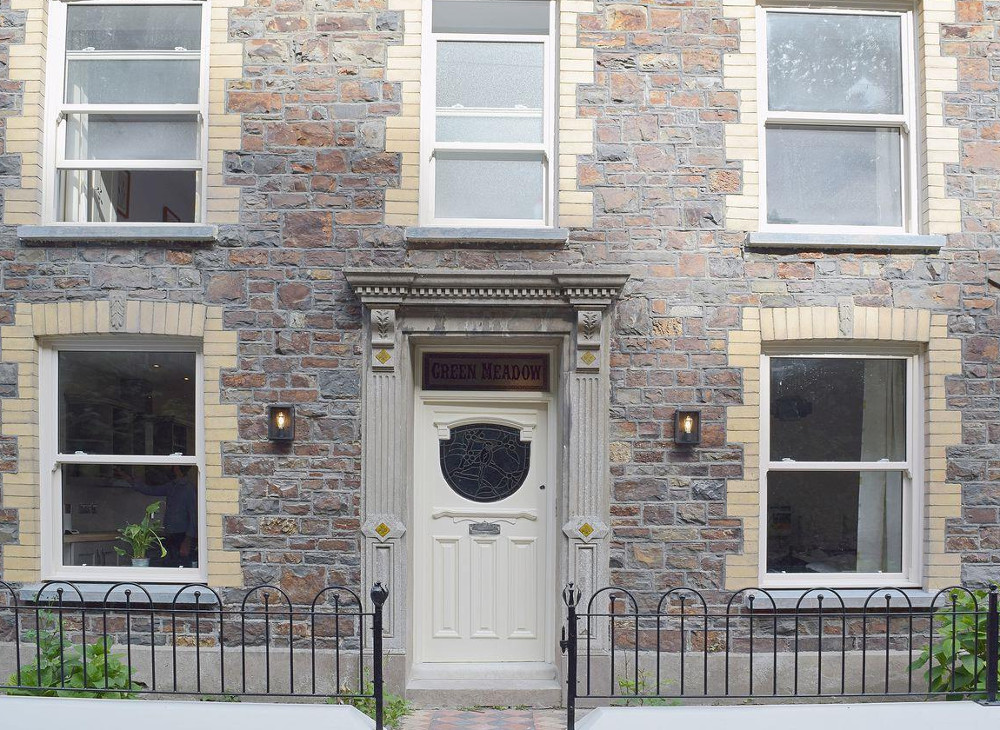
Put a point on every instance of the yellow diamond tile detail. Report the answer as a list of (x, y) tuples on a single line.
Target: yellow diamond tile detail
[(588, 358), (383, 356), (382, 529), (585, 529)]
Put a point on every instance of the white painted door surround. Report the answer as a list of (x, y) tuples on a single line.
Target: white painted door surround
[(483, 529), (564, 311)]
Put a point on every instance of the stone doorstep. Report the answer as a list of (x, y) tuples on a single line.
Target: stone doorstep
[(485, 719), (511, 684)]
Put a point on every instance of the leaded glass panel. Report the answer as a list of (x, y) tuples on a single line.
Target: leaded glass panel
[(485, 462)]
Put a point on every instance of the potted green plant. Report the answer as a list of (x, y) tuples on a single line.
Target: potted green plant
[(141, 536)]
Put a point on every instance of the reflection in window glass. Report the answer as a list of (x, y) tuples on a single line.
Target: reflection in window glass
[(834, 522), (119, 402), (838, 409), (131, 137), (506, 17), (834, 176), (818, 62), (132, 82), (101, 499), (133, 27), (500, 189), (493, 75)]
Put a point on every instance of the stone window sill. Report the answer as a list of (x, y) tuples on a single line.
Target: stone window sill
[(119, 233), (833, 241), (160, 593), (854, 598), (514, 237)]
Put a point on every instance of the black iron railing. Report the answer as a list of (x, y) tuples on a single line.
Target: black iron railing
[(687, 645), (57, 641)]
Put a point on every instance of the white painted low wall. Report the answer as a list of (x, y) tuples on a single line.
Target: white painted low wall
[(909, 715), (46, 712)]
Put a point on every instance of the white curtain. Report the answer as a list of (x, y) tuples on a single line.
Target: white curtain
[(883, 435)]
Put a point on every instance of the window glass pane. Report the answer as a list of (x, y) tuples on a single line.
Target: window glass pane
[(835, 522), (490, 75), (133, 27), (131, 137), (491, 16), (141, 196), (118, 402), (834, 63), (100, 499), (501, 189), (838, 409), (132, 82), (834, 176), (489, 129)]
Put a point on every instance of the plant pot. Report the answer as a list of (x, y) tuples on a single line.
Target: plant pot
[(140, 562)]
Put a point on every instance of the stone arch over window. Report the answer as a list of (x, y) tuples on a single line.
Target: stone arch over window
[(840, 326)]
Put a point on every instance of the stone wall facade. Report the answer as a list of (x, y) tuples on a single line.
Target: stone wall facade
[(315, 180)]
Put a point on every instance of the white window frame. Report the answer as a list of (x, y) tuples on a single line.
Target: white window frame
[(51, 461), (429, 147), (911, 468), (56, 110), (906, 122)]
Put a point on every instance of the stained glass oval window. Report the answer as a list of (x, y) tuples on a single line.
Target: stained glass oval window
[(485, 462)]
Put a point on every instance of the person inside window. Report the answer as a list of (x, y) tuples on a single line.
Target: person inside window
[(180, 515)]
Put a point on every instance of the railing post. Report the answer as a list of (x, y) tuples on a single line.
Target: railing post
[(571, 597), (992, 646), (379, 595)]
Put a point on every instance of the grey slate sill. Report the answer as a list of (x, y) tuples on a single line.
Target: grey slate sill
[(835, 241), (118, 234), (548, 237), (160, 593), (854, 598)]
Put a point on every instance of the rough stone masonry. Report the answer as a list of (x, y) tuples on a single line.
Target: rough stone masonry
[(313, 172)]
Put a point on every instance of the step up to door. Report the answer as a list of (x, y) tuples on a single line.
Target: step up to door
[(508, 684)]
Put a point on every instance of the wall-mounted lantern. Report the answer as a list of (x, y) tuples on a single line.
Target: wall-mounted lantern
[(687, 427), (281, 423)]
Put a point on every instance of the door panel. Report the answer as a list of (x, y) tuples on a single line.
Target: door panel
[(480, 532), (447, 569), (522, 576)]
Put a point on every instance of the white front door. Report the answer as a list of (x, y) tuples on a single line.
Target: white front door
[(481, 531)]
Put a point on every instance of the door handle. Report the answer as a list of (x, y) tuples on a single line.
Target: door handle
[(541, 486)]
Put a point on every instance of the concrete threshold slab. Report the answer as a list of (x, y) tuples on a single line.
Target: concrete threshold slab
[(911, 715)]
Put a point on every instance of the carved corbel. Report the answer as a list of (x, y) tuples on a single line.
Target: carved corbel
[(589, 338), (383, 339)]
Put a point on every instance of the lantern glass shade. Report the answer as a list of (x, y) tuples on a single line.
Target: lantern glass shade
[(281, 423), (687, 427)]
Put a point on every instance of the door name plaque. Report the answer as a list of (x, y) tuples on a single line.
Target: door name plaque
[(485, 371)]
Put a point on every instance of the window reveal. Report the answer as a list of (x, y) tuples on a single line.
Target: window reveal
[(837, 120), (127, 438), (488, 136), (129, 113), (484, 462), (837, 465)]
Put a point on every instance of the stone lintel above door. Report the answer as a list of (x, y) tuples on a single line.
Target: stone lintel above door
[(393, 288), (567, 306)]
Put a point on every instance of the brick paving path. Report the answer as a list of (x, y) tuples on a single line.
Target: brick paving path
[(485, 720)]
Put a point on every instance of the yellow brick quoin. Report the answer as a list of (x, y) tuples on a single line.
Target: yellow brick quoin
[(937, 143), (23, 205), (575, 135), (19, 343), (764, 326)]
